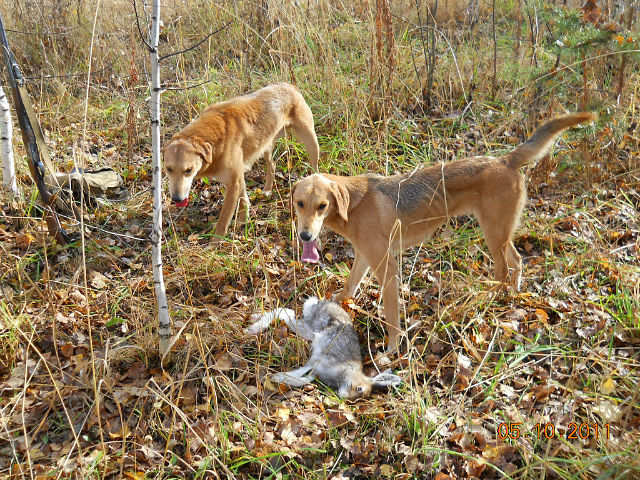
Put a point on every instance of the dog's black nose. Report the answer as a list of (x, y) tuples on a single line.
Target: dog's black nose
[(305, 236)]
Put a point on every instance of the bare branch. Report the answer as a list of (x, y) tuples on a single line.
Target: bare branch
[(135, 9), (188, 87), (193, 47)]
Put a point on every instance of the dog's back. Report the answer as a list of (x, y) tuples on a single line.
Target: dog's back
[(279, 100)]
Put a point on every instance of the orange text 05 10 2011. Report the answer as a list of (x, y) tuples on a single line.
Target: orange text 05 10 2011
[(548, 431)]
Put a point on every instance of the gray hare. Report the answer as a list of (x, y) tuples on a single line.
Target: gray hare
[(335, 351)]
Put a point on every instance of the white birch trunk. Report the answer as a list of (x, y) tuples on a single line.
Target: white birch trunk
[(6, 146), (164, 322)]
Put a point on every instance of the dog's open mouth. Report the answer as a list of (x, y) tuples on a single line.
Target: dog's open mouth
[(183, 203), (310, 252)]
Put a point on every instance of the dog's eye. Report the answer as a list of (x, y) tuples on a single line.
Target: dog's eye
[(322, 206), (170, 170), (188, 171), (301, 204), (359, 389)]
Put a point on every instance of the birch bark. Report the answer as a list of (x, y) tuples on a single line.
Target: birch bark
[(164, 322), (6, 146)]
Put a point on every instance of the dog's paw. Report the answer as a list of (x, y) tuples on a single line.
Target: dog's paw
[(217, 239)]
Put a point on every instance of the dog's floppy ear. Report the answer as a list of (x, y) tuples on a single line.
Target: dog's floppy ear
[(165, 146), (341, 196), (385, 379), (204, 149), (293, 189)]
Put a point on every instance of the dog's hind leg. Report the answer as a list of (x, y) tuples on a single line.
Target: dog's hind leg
[(498, 226), (243, 202), (514, 262), (302, 126), (506, 258), (270, 166)]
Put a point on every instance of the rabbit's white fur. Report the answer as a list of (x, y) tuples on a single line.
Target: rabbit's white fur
[(335, 351)]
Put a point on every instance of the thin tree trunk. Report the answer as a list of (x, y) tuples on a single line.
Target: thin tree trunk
[(6, 146), (164, 322), (623, 60), (495, 48)]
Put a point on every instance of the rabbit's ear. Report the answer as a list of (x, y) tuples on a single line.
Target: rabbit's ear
[(309, 302), (386, 379)]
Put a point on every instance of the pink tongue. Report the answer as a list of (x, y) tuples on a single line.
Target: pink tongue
[(310, 252), (183, 203)]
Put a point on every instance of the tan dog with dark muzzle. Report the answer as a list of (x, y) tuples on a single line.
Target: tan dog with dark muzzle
[(228, 137), (381, 216)]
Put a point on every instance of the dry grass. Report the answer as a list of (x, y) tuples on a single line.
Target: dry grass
[(82, 393)]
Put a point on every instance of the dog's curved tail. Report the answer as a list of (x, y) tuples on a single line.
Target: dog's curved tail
[(540, 142)]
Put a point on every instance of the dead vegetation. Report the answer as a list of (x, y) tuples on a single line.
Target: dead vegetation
[(82, 393)]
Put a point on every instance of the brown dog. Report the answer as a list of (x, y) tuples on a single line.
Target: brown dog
[(381, 216), (228, 137)]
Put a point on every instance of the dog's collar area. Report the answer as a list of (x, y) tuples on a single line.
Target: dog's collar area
[(182, 203)]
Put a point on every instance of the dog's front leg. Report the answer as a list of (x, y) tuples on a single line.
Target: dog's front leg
[(233, 190), (244, 204), (358, 271), (270, 169), (387, 274)]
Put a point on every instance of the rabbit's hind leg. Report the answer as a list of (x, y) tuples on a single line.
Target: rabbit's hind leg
[(295, 378)]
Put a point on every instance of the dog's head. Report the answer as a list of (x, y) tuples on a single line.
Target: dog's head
[(315, 198), (183, 159)]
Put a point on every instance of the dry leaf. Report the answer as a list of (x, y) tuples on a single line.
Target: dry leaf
[(97, 280), (386, 470), (442, 476), (135, 475), (283, 413), (542, 392), (24, 240), (542, 316), (223, 362), (607, 411), (608, 386), (66, 350)]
